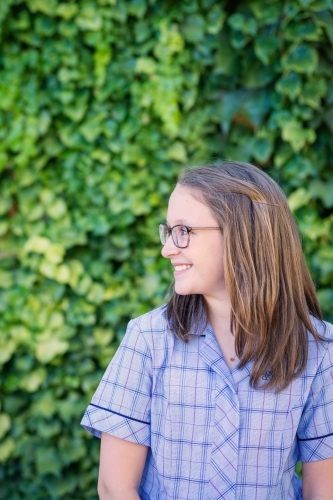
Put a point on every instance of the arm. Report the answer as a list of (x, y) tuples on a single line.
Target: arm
[(121, 467), (318, 480)]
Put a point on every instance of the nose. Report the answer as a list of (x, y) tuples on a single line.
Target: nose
[(169, 249)]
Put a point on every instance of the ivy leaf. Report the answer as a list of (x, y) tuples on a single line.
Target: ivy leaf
[(32, 381), (49, 348), (47, 461), (266, 13), (47, 8), (37, 244), (243, 23), (293, 133), (298, 199), (328, 117), (137, 8), (103, 336), (89, 19), (170, 42), (145, 65), (301, 59), (262, 149), (81, 313), (320, 5), (54, 253), (177, 152), (323, 191), (62, 274), (6, 449), (306, 30), (45, 406), (7, 349), (193, 29), (251, 104), (257, 76), (5, 423), (266, 48), (215, 19), (313, 91), (4, 226), (238, 40), (300, 168), (96, 294), (227, 60), (67, 10), (325, 297), (6, 279), (290, 85), (56, 209)]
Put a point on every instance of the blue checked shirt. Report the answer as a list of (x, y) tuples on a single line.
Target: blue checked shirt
[(210, 435)]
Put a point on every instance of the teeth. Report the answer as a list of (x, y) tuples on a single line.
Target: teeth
[(182, 267)]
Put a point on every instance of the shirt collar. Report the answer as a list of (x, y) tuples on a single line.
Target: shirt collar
[(211, 353)]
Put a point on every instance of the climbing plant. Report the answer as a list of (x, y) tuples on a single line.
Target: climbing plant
[(102, 103)]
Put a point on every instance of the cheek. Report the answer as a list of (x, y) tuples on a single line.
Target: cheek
[(214, 268), (214, 262)]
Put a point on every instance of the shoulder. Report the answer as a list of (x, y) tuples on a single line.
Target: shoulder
[(152, 330), (327, 334), (323, 328), (152, 321), (321, 353)]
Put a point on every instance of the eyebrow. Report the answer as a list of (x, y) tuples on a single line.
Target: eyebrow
[(180, 221)]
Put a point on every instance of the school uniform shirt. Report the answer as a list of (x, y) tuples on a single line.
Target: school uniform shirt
[(210, 435)]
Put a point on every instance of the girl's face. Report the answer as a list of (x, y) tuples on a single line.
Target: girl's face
[(198, 268)]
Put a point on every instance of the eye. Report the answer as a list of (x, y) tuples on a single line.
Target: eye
[(184, 230), (167, 230)]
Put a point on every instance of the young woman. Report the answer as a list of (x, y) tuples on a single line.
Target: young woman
[(219, 393)]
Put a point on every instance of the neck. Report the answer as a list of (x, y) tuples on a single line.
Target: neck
[(219, 312)]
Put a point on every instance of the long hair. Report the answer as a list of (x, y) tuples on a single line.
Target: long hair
[(271, 291)]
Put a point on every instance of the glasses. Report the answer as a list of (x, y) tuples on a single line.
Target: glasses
[(180, 234)]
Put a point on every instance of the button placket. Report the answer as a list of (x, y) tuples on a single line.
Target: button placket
[(225, 433)]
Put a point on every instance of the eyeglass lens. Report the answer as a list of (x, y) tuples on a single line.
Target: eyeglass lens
[(180, 235)]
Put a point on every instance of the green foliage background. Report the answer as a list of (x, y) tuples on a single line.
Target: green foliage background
[(102, 103)]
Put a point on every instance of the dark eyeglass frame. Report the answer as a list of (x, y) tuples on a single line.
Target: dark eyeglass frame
[(163, 227)]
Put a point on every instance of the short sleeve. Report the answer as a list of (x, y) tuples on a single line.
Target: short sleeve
[(122, 401), (315, 431)]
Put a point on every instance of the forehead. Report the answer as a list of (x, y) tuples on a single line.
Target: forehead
[(185, 207)]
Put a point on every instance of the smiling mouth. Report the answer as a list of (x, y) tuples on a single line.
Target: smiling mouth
[(183, 267)]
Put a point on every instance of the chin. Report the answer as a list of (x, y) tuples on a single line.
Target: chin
[(183, 290)]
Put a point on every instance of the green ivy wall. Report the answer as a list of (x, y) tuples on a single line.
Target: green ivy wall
[(102, 103)]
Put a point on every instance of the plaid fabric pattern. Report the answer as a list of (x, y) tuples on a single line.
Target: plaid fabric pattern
[(210, 435)]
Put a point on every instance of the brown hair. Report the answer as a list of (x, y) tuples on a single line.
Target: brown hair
[(271, 292)]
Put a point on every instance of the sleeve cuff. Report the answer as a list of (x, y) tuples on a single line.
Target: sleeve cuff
[(312, 449), (97, 420)]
